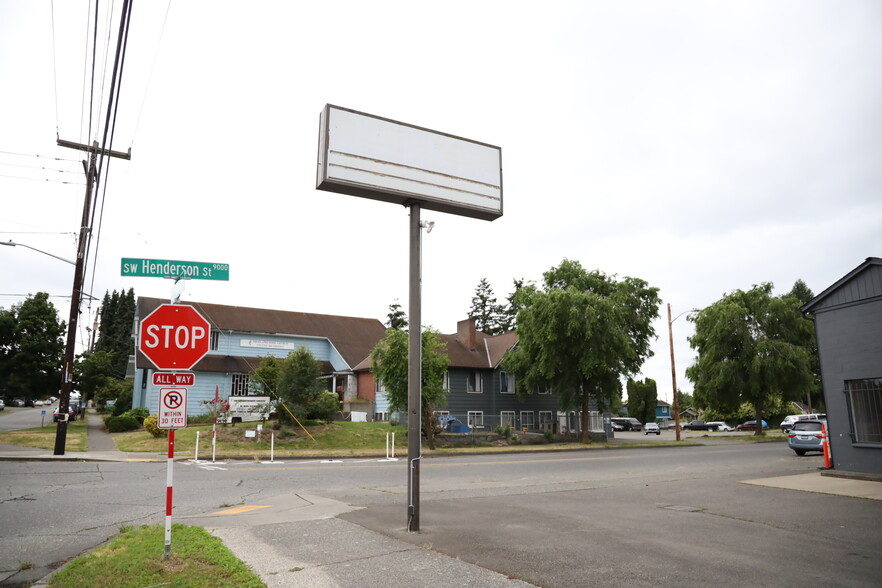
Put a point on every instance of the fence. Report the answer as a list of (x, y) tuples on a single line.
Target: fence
[(529, 421)]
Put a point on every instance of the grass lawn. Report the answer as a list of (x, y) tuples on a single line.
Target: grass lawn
[(338, 438), (44, 437), (135, 558)]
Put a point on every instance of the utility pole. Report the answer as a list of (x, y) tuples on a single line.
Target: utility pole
[(674, 375), (76, 290)]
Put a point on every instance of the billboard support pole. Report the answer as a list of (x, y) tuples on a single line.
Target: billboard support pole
[(414, 376)]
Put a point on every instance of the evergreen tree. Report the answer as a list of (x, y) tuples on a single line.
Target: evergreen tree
[(115, 332), (396, 319), (485, 310)]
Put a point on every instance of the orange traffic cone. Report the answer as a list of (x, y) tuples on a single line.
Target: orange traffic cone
[(825, 440)]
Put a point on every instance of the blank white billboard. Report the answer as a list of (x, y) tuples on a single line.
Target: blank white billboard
[(373, 157)]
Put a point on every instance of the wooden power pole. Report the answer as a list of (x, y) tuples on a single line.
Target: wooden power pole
[(76, 290)]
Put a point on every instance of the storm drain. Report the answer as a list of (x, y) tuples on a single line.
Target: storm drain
[(684, 508)]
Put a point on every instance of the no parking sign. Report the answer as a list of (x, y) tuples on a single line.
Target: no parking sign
[(172, 412)]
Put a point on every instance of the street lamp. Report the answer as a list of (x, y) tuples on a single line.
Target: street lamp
[(13, 244), (674, 368)]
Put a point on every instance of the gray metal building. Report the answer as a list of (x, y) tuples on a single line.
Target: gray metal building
[(848, 324)]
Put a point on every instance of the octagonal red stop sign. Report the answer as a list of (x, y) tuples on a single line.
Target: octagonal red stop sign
[(174, 337)]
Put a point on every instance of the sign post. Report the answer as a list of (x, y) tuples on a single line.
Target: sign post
[(172, 415), (374, 157)]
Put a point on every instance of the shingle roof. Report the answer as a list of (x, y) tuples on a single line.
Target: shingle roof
[(352, 337), (488, 352)]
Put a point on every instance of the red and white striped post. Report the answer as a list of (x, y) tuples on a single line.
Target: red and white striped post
[(169, 487)]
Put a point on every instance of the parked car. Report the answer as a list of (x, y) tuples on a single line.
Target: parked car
[(806, 435), (789, 420), (720, 426), (38, 403), (651, 428), (616, 426), (2, 404), (698, 426), (71, 414), (750, 426), (29, 402), (629, 424)]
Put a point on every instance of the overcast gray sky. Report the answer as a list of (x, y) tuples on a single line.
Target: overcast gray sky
[(701, 146)]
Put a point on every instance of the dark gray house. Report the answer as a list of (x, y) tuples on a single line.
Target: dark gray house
[(481, 394), (848, 324)]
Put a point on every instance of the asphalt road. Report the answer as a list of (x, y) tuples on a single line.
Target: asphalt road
[(14, 418), (644, 516)]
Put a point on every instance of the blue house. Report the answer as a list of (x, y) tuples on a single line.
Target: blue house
[(240, 336)]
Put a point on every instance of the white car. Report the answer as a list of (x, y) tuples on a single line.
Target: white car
[(651, 428), (720, 426)]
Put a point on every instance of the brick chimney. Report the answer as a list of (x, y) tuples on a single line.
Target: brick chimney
[(467, 334)]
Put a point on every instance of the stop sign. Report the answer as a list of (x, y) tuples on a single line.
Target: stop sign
[(174, 337)]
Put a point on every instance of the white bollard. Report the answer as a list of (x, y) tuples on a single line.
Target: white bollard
[(390, 449), (196, 455), (272, 445)]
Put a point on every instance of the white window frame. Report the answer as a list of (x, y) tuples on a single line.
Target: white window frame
[(502, 420), (506, 383), (864, 404), (528, 419), (445, 381), (239, 384), (477, 385), (476, 419)]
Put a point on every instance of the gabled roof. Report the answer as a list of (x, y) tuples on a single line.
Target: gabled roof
[(469, 348), (860, 284), (352, 337)]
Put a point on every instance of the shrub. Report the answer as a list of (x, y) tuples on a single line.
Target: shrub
[(151, 426), (504, 431), (549, 436), (324, 407), (123, 401), (118, 424), (139, 414)]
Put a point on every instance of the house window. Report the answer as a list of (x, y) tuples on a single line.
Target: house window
[(239, 385), (441, 412), (476, 419), (473, 383), (507, 419), (543, 389), (445, 381), (214, 344), (381, 416), (544, 417), (506, 383), (865, 410), (527, 419), (664, 410)]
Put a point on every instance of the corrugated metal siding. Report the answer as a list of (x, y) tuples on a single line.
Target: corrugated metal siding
[(867, 284), (850, 348)]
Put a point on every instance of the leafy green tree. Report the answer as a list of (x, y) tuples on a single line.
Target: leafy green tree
[(396, 319), (298, 381), (642, 399), (389, 362), (485, 310), (264, 380), (581, 334), (92, 371), (34, 352), (114, 389), (751, 349), (802, 294), (8, 347)]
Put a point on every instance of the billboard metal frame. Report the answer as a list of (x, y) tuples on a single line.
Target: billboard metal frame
[(382, 159)]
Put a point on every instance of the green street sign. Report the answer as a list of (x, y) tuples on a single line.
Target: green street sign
[(163, 268)]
